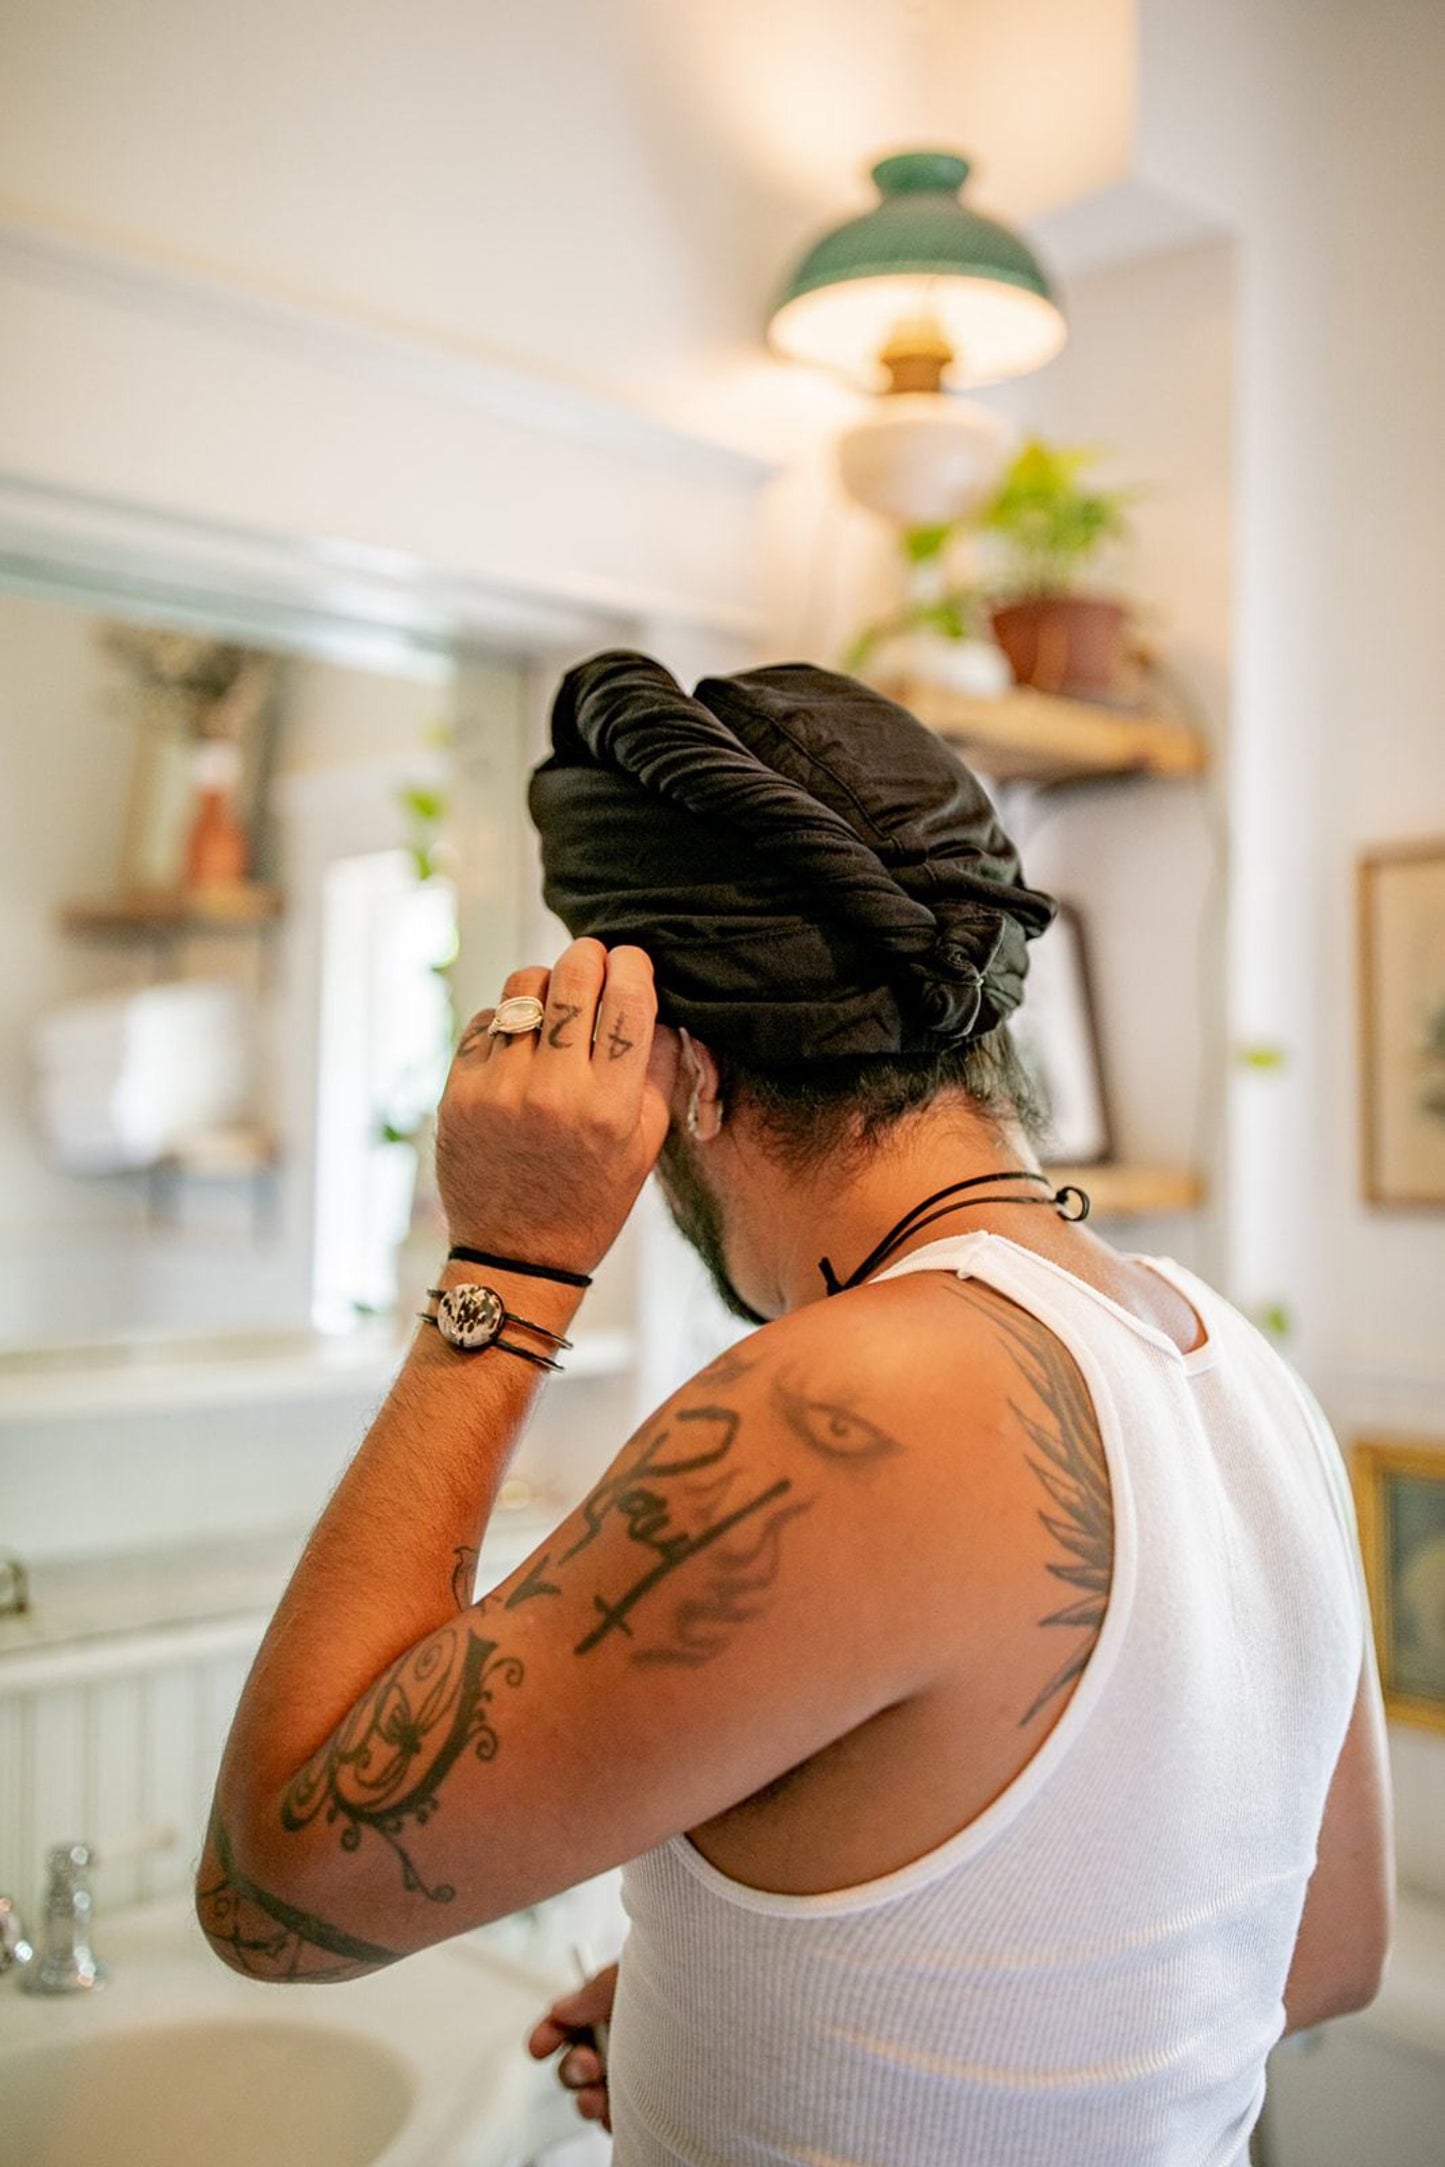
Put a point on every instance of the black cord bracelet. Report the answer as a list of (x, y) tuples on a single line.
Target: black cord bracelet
[(459, 1254), (504, 1346)]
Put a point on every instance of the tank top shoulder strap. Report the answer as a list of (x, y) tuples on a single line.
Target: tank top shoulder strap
[(1068, 1304)]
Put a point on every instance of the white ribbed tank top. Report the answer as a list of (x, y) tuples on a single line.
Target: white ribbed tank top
[(1089, 1974)]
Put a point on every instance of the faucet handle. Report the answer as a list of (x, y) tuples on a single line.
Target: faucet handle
[(15, 1945)]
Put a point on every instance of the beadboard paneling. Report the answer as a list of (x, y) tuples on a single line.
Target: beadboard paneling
[(116, 1743)]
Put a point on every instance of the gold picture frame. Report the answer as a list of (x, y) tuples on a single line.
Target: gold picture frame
[(1399, 1486), (1401, 932)]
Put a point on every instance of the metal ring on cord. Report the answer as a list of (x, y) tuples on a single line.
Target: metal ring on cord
[(516, 1016)]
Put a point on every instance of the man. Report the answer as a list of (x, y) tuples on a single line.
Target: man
[(970, 1666)]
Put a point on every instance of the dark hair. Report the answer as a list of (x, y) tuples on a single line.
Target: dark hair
[(847, 1107)]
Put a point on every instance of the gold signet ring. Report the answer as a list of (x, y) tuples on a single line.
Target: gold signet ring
[(515, 1017)]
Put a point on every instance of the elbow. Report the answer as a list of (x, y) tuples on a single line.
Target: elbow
[(262, 1933)]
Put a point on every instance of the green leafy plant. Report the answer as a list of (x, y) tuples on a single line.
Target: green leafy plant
[(1048, 523), (956, 613)]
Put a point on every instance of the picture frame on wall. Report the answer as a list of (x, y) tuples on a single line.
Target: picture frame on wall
[(1401, 907), (1399, 1486), (1056, 1032)]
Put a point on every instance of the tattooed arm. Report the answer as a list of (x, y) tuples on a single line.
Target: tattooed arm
[(782, 1553), (735, 1593)]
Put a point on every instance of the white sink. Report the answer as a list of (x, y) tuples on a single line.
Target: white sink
[(226, 2094), (180, 2063)]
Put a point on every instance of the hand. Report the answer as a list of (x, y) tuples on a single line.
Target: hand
[(544, 1139), (568, 2023)]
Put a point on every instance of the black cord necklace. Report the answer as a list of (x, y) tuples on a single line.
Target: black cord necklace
[(912, 1222)]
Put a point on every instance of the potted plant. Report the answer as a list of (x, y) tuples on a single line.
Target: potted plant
[(1049, 527)]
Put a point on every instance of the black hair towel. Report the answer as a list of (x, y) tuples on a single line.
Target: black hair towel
[(814, 874)]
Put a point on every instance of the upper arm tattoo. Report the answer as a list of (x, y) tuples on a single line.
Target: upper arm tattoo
[(684, 1497), (828, 1428), (384, 1765), (671, 1525), (1063, 1429)]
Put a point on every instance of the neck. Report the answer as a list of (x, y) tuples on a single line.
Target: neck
[(778, 1231)]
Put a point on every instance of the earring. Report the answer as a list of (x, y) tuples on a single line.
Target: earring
[(691, 1118)]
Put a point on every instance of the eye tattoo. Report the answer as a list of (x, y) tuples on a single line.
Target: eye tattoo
[(567, 1012), (835, 1432)]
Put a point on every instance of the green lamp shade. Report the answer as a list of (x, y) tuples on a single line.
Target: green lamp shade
[(919, 254)]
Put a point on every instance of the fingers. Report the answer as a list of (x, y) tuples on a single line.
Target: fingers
[(626, 1016), (475, 1041), (573, 993), (580, 2068), (584, 2006)]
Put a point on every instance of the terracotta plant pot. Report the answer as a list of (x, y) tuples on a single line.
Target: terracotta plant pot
[(1066, 643)]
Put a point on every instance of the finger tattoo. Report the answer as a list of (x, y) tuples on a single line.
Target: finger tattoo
[(617, 1045), (567, 1012)]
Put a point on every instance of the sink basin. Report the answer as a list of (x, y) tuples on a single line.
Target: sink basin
[(226, 2094), (180, 2063)]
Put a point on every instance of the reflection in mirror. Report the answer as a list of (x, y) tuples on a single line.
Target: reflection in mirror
[(227, 946)]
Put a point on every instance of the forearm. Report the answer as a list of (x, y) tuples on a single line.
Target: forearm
[(389, 1559), (369, 1685)]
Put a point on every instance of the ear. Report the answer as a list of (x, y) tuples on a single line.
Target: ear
[(701, 1065), (700, 1081)]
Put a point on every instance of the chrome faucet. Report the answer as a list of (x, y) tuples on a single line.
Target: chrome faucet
[(67, 1964)]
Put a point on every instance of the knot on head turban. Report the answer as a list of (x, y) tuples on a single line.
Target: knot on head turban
[(813, 872)]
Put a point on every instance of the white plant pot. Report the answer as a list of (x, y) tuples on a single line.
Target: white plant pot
[(975, 668)]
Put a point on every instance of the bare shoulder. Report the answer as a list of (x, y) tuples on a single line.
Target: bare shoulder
[(908, 1388)]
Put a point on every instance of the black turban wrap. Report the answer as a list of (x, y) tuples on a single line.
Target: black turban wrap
[(814, 873)]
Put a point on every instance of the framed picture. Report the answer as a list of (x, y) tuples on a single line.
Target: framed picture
[(1402, 1023), (1056, 1032), (1400, 1498)]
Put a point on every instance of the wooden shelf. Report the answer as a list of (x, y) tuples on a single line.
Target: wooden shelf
[(234, 1154), (169, 913), (1025, 736), (1119, 1191)]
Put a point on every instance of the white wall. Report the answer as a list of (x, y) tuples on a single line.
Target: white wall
[(1148, 378), (1312, 127)]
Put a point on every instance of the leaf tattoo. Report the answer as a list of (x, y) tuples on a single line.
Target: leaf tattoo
[(1070, 1463)]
